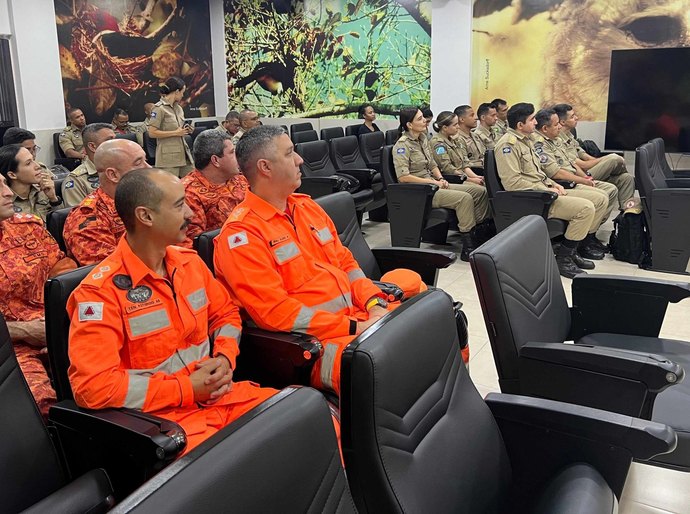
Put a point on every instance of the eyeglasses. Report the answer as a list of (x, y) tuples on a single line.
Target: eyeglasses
[(35, 149)]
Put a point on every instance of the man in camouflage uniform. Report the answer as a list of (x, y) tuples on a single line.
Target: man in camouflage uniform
[(519, 168), (501, 126), (83, 180), (215, 187), (610, 168), (471, 145), (70, 139), (93, 228), (484, 131), (557, 166), (28, 256)]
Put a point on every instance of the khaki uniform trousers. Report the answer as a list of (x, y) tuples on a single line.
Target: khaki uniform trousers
[(611, 192), (599, 199), (469, 201), (179, 171), (612, 169), (577, 212)]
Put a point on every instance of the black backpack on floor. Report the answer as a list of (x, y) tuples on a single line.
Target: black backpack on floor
[(630, 241)]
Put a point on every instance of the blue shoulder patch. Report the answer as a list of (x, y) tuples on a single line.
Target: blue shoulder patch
[(68, 185), (440, 150), (153, 114), (400, 150), (507, 149)]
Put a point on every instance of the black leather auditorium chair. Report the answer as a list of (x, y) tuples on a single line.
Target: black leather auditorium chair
[(371, 147), (331, 132), (34, 477), (666, 203), (55, 223), (418, 437), (660, 155), (392, 136), (281, 456), (412, 219), (59, 156), (299, 127), (618, 362), (304, 136), (351, 130)]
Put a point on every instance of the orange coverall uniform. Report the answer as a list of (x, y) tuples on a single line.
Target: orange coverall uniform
[(210, 203), (291, 273), (93, 229), (135, 338), (28, 256)]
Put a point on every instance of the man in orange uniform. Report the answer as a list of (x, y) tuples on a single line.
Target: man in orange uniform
[(215, 186), (156, 311), (280, 257), (93, 228), (28, 256)]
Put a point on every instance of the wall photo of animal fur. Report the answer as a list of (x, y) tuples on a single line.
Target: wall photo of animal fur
[(115, 53), (553, 51)]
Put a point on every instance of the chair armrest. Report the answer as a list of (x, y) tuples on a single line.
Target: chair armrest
[(425, 262), (524, 203), (276, 359), (364, 175), (91, 492), (149, 437), (68, 162), (317, 187), (454, 179), (681, 173), (643, 439), (678, 183), (639, 304)]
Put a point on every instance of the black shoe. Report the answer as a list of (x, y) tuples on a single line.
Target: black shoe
[(468, 245), (582, 263), (589, 251), (567, 267), (595, 243)]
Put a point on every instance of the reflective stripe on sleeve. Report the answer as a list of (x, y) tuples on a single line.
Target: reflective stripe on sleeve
[(136, 391), (198, 299), (337, 304), (324, 235), (226, 330), (286, 252), (146, 323), (303, 319), (355, 274)]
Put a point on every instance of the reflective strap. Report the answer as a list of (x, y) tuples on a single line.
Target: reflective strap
[(136, 391), (286, 252), (303, 319), (355, 274), (327, 363), (324, 235), (337, 304), (177, 360), (198, 299), (146, 323), (226, 330)]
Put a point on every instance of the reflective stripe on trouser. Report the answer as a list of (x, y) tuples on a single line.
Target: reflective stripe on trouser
[(612, 169), (479, 197), (599, 199), (325, 374), (577, 212), (460, 201)]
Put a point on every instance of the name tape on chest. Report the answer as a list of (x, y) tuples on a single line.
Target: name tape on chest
[(90, 311)]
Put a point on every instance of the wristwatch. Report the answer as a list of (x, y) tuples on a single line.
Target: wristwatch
[(57, 202), (376, 301)]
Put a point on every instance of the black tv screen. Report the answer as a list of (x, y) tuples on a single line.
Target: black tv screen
[(649, 96)]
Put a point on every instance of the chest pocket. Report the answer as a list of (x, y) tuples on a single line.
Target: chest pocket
[(292, 265)]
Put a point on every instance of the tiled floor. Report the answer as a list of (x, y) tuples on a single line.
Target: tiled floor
[(649, 489)]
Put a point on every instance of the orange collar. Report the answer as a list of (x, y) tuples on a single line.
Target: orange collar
[(267, 211), (136, 268)]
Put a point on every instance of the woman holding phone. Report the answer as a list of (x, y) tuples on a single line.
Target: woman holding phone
[(169, 128)]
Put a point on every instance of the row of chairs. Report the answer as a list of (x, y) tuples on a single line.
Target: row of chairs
[(431, 444), (297, 130)]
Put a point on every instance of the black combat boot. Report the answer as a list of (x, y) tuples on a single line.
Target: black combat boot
[(582, 263), (566, 265), (595, 243), (468, 245), (589, 250)]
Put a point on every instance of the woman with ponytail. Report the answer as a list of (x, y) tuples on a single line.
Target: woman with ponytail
[(169, 129), (446, 149)]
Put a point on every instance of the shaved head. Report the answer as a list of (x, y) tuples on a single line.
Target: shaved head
[(120, 154)]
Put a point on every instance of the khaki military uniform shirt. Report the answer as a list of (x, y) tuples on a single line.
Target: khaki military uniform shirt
[(80, 183), (144, 127), (472, 149), (170, 151), (70, 139), (36, 203), (486, 136), (447, 155), (552, 155), (518, 165), (499, 129), (413, 156), (237, 137), (571, 146), (129, 129)]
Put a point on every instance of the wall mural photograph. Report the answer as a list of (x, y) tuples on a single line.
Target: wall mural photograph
[(115, 53), (315, 58), (555, 51)]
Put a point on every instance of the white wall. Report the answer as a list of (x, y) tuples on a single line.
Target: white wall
[(4, 18), (451, 53), (220, 80)]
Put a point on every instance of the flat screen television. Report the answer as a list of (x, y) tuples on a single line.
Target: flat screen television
[(649, 96)]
